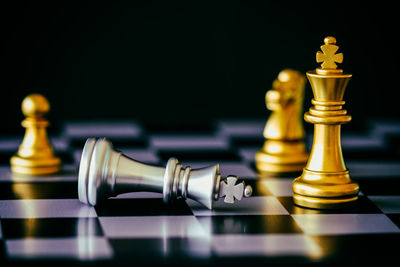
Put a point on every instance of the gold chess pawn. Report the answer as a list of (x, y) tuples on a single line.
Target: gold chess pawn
[(325, 182), (284, 150), (35, 155)]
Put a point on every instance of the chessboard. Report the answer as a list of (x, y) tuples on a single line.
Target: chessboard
[(43, 222)]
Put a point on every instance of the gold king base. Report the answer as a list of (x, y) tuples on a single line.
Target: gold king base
[(279, 156), (324, 190)]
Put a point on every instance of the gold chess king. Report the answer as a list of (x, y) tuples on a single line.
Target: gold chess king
[(325, 182)]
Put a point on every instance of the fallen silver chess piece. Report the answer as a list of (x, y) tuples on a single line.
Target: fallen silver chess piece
[(105, 172)]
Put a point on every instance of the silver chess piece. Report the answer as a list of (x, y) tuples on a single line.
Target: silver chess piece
[(105, 172)]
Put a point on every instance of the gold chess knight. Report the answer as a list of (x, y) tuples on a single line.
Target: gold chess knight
[(35, 155), (105, 172), (325, 182), (284, 149)]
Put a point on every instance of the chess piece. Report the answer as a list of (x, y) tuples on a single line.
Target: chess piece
[(105, 172), (284, 149), (35, 155), (325, 182)]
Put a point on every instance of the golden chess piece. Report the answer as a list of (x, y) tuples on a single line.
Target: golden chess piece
[(35, 155), (284, 150), (325, 182)]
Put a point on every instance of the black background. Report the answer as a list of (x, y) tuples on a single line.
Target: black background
[(179, 64)]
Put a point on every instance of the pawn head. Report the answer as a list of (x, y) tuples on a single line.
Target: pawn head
[(35, 105)]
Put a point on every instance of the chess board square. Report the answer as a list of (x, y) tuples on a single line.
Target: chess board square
[(265, 245), (8, 147), (370, 153), (2, 251), (388, 204), (278, 186), (244, 133), (363, 205), (106, 129), (180, 127), (117, 142), (379, 186), (359, 141), (259, 189), (58, 142), (249, 224), (245, 128), (5, 157), (212, 155), (65, 156), (38, 190), (395, 218), (359, 248), (45, 208), (188, 142), (119, 207), (121, 133), (247, 154), (337, 224), (152, 227), (265, 205), (10, 144), (384, 127), (147, 250), (247, 141), (50, 227), (82, 248), (377, 170)]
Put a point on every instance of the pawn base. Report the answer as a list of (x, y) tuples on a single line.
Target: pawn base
[(35, 166)]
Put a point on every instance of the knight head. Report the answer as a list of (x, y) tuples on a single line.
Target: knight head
[(287, 89)]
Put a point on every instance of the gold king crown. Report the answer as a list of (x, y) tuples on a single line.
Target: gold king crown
[(328, 82), (329, 57)]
